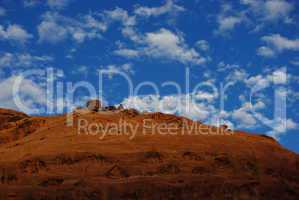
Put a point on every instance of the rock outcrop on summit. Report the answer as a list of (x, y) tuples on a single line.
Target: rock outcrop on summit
[(94, 105)]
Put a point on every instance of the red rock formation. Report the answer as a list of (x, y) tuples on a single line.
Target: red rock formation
[(54, 161)]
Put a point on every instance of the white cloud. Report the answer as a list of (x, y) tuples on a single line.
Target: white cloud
[(81, 70), (203, 45), (249, 115), (277, 44), (168, 7), (228, 19), (160, 44), (111, 70), (92, 22), (260, 13), (222, 66), (128, 53), (198, 107), (243, 117), (163, 44), (265, 52), (275, 9), (127, 22), (22, 60), (14, 33), (238, 74), (281, 43), (166, 44), (227, 23), (270, 10), (127, 67), (290, 124), (2, 11), (58, 4), (279, 76), (279, 129), (172, 104), (31, 94), (85, 28), (47, 27), (120, 15), (131, 33), (202, 95), (52, 4), (258, 82)]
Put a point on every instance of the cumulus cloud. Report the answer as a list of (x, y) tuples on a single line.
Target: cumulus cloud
[(47, 27), (163, 44), (281, 129), (228, 19), (259, 82), (281, 43), (53, 4), (279, 76), (250, 116), (200, 105), (222, 66), (169, 7), (244, 117), (85, 28), (159, 44), (265, 52), (256, 12), (128, 53), (59, 4), (121, 15), (127, 22), (113, 69), (173, 104), (278, 126), (14, 33), (203, 95), (81, 70), (227, 23), (238, 74), (13, 60), (270, 10), (277, 44), (32, 96), (203, 45)]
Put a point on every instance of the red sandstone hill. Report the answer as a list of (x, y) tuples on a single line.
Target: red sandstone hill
[(43, 158)]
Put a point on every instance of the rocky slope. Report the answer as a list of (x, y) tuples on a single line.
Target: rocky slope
[(43, 158)]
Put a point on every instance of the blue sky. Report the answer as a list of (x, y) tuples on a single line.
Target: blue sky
[(252, 45)]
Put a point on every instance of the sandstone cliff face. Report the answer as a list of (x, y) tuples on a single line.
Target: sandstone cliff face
[(16, 125), (8, 117), (54, 161)]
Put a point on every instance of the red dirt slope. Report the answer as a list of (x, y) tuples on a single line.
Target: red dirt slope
[(42, 158)]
